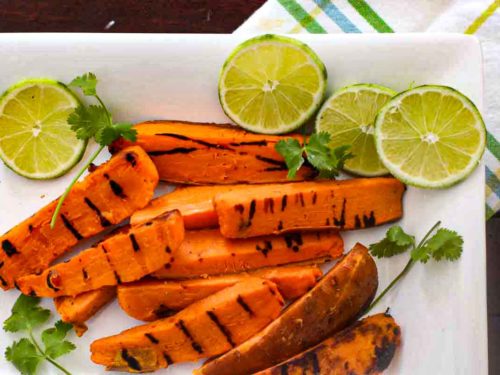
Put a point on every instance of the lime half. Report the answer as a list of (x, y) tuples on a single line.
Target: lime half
[(430, 136), (272, 84), (348, 116), (35, 138)]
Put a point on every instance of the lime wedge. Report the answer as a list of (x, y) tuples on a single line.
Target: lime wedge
[(272, 84), (35, 139), (430, 136), (348, 116)]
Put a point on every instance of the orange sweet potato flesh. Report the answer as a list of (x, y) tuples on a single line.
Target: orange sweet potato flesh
[(194, 202), (194, 153), (271, 209), (366, 347), (105, 197), (206, 328), (77, 310), (149, 300), (207, 252), (334, 303), (124, 257)]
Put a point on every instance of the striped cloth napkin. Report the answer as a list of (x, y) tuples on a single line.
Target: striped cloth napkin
[(479, 17)]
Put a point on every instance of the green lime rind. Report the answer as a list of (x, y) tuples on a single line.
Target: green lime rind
[(252, 43), (72, 149), (471, 138), (351, 123)]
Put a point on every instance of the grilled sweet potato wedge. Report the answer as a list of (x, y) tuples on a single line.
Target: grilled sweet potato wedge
[(194, 202), (278, 208), (149, 300), (206, 252), (106, 196), (366, 347), (124, 257), (206, 328), (194, 153), (335, 302), (77, 310)]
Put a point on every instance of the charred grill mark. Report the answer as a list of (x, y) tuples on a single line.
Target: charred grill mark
[(85, 274), (384, 354), (301, 198), (135, 245), (1, 264), (4, 283), (283, 202), (269, 205), (168, 250), (341, 222), (327, 221), (251, 212), (197, 347), (130, 157), (268, 246), (278, 164), (117, 278), (131, 361), (314, 198), (313, 358), (197, 141), (30, 228), (70, 227), (253, 143), (104, 222), (357, 222), (224, 330), (244, 305), (33, 293), (280, 225), (369, 221), (292, 238), (151, 338), (239, 208), (50, 281), (92, 167), (168, 359), (163, 311), (117, 189), (177, 150), (8, 248)]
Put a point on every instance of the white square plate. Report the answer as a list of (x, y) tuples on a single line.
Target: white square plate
[(441, 307)]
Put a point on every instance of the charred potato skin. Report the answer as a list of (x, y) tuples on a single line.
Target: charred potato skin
[(365, 348), (334, 303)]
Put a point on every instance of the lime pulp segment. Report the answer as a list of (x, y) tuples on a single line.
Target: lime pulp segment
[(35, 139), (430, 136), (348, 115), (272, 84)]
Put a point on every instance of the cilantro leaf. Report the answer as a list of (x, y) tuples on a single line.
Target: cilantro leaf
[(292, 151), (87, 82), (318, 151), (107, 135), (52, 338), (86, 122), (24, 356), (395, 242), (26, 314), (444, 243)]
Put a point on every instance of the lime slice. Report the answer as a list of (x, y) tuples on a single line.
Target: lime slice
[(35, 138), (272, 84), (348, 116), (430, 136)]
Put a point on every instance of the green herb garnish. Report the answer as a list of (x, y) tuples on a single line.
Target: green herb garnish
[(319, 154), (443, 244), (26, 354), (92, 121)]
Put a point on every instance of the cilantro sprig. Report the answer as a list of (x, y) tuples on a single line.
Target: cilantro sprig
[(26, 354), (320, 155), (92, 122), (437, 244)]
